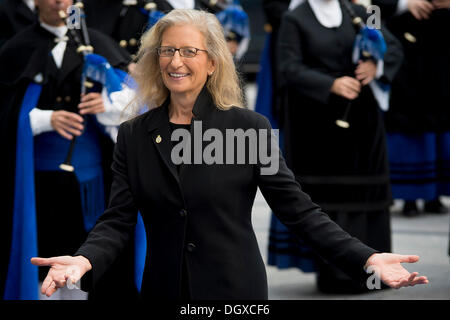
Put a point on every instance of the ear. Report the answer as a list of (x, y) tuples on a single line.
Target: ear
[(211, 67)]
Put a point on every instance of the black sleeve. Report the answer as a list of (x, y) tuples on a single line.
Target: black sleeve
[(295, 209), (308, 81), (387, 7), (116, 225)]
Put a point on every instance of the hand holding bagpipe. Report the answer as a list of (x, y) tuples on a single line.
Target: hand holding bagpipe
[(89, 101), (369, 46)]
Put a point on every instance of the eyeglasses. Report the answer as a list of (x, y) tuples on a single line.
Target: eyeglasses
[(187, 52)]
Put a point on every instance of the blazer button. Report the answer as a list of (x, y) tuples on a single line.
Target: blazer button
[(183, 213), (191, 247)]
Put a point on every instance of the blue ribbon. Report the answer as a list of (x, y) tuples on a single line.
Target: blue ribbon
[(22, 281), (371, 41), (234, 18), (98, 69)]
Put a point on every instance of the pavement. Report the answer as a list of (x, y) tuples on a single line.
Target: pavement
[(426, 236)]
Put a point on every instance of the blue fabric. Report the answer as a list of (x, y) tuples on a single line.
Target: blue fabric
[(419, 165), (372, 41), (51, 150), (263, 103), (22, 278), (140, 251), (153, 17), (286, 250), (234, 18), (98, 69)]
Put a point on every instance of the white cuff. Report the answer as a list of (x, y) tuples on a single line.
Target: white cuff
[(118, 109), (402, 6), (380, 69), (40, 121)]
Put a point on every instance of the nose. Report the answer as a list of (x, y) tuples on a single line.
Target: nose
[(176, 60)]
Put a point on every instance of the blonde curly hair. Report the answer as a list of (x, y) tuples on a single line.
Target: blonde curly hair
[(223, 84)]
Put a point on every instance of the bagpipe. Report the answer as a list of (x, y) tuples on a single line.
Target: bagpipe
[(95, 68), (369, 45)]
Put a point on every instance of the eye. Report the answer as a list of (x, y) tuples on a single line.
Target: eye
[(167, 51), (190, 52)]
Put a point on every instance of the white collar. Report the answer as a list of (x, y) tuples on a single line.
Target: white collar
[(327, 12), (182, 4), (30, 4), (59, 32)]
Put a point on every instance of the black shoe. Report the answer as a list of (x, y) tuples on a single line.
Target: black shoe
[(410, 209), (435, 206)]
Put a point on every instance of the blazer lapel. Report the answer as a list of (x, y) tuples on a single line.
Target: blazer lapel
[(160, 135)]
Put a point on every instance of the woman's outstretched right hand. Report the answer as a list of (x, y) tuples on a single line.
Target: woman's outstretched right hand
[(63, 270)]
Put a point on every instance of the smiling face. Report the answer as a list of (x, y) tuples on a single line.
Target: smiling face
[(181, 75)]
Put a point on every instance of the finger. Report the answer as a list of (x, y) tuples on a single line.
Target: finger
[(70, 122), (352, 85), (74, 117), (408, 258), (412, 276), (64, 134), (41, 262), (94, 110), (60, 283), (366, 81), (361, 76), (428, 7), (93, 100), (98, 108), (419, 280), (90, 96), (51, 289), (46, 283), (71, 130)]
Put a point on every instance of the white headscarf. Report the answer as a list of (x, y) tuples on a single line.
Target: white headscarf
[(182, 4), (328, 12)]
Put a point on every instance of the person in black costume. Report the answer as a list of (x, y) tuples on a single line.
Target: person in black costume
[(344, 170), (418, 121), (46, 53), (201, 244)]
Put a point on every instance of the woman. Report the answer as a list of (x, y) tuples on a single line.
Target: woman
[(418, 121), (344, 170), (201, 244)]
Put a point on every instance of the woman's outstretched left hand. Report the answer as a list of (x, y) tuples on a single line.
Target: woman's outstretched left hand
[(388, 267)]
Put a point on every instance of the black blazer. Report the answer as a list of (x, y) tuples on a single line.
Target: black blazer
[(204, 212)]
